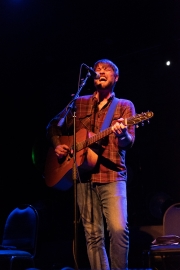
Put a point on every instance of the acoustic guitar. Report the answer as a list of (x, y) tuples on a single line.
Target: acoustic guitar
[(58, 172)]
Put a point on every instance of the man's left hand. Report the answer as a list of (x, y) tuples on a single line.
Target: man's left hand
[(120, 127)]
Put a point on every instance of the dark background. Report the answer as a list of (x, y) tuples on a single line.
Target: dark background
[(43, 44)]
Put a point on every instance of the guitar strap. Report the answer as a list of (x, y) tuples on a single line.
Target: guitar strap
[(109, 114)]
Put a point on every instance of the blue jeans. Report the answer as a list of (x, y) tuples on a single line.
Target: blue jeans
[(110, 200)]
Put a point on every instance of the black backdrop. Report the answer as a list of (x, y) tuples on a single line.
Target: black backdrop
[(43, 44)]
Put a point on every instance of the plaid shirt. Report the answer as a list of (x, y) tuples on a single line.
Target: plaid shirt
[(110, 165)]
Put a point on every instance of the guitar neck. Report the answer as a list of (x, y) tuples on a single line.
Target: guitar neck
[(93, 139), (133, 120)]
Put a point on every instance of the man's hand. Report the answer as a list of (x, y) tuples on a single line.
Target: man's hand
[(62, 150), (120, 127), (121, 131)]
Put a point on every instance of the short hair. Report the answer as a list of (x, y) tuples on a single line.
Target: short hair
[(110, 63)]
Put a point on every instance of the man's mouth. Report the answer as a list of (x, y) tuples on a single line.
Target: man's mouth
[(102, 79)]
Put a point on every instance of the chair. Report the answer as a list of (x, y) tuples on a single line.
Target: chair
[(19, 238), (166, 249)]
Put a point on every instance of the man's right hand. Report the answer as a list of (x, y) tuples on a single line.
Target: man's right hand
[(61, 150)]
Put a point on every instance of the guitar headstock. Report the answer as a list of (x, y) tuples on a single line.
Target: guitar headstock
[(140, 118)]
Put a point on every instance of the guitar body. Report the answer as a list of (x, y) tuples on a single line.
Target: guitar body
[(58, 173)]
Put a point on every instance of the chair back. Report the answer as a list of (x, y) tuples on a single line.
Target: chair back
[(171, 220), (21, 228)]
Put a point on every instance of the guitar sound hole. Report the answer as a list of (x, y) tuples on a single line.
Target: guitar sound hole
[(61, 160)]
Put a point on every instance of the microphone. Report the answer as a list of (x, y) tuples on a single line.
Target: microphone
[(93, 73)]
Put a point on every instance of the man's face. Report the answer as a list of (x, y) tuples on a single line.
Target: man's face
[(107, 77)]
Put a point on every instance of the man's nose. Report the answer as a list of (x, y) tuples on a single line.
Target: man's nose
[(101, 71)]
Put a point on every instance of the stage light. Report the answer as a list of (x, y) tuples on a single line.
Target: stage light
[(168, 63)]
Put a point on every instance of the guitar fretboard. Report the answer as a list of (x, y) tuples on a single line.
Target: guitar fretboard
[(93, 139)]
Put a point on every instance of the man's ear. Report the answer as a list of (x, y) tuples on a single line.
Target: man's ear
[(117, 78)]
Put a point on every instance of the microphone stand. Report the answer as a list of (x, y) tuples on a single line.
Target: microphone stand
[(74, 169)]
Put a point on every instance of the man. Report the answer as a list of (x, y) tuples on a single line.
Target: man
[(101, 192)]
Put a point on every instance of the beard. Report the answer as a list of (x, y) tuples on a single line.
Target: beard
[(103, 85)]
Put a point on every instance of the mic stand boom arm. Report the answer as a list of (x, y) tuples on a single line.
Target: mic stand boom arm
[(71, 104)]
